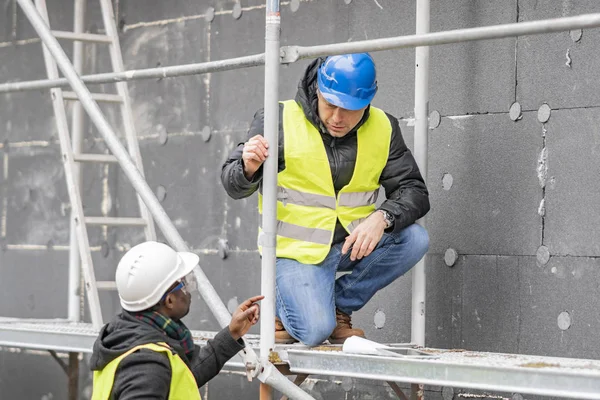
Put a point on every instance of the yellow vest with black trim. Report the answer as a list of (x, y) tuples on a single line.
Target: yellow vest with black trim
[(307, 205), (183, 384)]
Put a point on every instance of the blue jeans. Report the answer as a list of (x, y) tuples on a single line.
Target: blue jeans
[(307, 295)]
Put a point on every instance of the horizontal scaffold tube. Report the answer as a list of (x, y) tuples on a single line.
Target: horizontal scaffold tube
[(292, 54), (295, 53), (149, 73)]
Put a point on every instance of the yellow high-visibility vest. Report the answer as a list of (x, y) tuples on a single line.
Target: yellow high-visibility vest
[(183, 384), (307, 206)]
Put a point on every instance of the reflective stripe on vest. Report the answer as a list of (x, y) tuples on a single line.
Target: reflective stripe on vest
[(183, 384), (291, 196), (358, 199), (312, 235), (307, 206)]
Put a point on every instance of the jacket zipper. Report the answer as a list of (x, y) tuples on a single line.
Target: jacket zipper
[(335, 161)]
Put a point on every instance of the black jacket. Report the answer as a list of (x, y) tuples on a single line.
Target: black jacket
[(146, 374), (406, 194)]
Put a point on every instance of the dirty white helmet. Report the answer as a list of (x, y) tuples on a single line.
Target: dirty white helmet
[(147, 271)]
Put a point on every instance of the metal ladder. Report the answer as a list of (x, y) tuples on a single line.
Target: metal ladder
[(71, 147)]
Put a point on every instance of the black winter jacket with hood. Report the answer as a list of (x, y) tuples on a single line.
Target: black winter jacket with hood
[(406, 194), (146, 374)]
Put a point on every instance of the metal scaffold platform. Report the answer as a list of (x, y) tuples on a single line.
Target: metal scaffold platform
[(524, 374)]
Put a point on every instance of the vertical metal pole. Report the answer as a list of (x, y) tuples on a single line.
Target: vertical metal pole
[(269, 221), (77, 123), (75, 293), (73, 376), (421, 132), (15, 19), (265, 392)]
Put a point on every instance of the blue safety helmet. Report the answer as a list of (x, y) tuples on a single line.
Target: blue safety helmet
[(348, 81)]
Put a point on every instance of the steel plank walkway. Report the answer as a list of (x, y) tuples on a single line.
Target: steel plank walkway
[(550, 376)]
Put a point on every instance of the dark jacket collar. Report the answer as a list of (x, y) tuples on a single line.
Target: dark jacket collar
[(123, 333)]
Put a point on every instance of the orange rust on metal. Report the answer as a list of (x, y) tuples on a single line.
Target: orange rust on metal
[(284, 369), (438, 351), (265, 392), (327, 348), (417, 391), (397, 390), (539, 365)]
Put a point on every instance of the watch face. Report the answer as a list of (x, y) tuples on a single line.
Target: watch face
[(389, 219)]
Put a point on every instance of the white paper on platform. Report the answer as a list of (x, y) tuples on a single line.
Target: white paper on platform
[(359, 345)]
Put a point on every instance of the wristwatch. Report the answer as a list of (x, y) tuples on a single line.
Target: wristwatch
[(389, 218)]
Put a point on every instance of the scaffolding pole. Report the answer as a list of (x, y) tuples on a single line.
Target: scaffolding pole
[(77, 126), (268, 236), (73, 376), (420, 151), (291, 54), (140, 74), (295, 53), (420, 135)]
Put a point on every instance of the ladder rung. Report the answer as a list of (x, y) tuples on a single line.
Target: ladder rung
[(106, 285), (95, 158), (103, 97), (82, 37), (115, 221)]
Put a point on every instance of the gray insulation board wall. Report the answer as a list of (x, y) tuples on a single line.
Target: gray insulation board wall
[(515, 185)]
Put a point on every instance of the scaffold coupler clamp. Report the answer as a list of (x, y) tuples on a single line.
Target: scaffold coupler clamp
[(251, 363)]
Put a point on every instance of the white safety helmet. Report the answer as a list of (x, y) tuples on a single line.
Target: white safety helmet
[(147, 271)]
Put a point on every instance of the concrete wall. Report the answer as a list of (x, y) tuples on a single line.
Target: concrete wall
[(505, 194)]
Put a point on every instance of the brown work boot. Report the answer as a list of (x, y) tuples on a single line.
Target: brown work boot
[(343, 329), (281, 335)]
